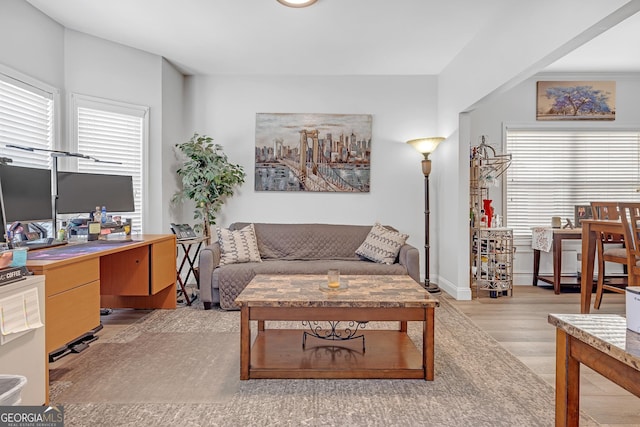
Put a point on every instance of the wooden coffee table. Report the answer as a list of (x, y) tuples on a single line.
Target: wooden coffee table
[(279, 353)]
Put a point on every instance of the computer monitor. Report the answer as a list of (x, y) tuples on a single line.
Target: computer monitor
[(26, 194), (80, 192), (3, 235)]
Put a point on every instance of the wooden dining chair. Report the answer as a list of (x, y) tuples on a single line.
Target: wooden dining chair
[(608, 211), (630, 213)]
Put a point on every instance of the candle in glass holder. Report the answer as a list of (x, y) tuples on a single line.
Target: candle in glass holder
[(333, 279)]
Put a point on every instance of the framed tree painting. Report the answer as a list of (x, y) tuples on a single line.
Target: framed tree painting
[(313, 152), (571, 100)]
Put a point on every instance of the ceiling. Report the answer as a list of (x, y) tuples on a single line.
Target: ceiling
[(332, 37), (614, 50)]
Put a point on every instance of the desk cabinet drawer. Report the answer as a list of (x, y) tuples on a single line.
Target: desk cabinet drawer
[(64, 278), (125, 273), (72, 313)]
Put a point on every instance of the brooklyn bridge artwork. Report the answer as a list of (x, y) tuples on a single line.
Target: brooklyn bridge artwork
[(313, 152)]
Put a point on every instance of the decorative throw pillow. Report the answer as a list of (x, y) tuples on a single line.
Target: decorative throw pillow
[(238, 245), (382, 245)]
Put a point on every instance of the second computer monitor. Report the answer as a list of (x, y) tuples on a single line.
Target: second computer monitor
[(80, 192)]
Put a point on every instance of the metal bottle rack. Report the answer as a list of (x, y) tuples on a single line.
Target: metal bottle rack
[(492, 250)]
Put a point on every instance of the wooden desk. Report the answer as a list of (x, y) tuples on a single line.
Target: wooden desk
[(559, 234), (81, 279), (601, 342), (591, 229)]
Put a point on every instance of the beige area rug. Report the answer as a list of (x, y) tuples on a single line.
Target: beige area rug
[(154, 368), (181, 368)]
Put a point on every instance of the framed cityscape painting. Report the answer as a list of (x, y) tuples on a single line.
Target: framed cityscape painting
[(570, 100), (313, 152)]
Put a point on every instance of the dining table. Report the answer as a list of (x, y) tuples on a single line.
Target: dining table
[(591, 229)]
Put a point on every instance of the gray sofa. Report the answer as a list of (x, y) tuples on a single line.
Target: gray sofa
[(295, 249)]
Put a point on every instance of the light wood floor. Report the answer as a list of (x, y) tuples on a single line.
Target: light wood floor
[(519, 324)]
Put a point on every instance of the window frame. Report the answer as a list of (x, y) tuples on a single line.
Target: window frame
[(34, 158), (77, 101), (560, 127), (26, 82)]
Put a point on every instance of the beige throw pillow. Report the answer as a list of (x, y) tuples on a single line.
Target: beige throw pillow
[(238, 246), (382, 245)]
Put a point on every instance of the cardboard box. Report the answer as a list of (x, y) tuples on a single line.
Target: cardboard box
[(633, 308)]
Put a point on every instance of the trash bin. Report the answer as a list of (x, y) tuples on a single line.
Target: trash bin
[(11, 389)]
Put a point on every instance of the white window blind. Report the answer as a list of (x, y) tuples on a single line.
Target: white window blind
[(111, 133), (27, 120), (554, 170)]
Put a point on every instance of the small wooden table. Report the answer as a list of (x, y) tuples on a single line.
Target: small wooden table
[(279, 353), (591, 229), (601, 342), (559, 234)]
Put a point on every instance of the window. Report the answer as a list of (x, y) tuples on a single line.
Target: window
[(554, 170), (26, 120), (113, 132)]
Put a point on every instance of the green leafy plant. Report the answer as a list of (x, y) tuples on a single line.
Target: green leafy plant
[(208, 178)]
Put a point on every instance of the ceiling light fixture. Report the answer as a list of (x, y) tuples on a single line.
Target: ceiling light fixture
[(297, 3)]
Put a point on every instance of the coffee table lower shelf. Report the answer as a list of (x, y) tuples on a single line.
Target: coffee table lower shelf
[(278, 353)]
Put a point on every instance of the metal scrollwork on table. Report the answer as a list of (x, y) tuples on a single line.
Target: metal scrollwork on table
[(351, 331)]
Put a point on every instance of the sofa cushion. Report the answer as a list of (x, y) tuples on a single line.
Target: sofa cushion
[(308, 241), (382, 245), (238, 246)]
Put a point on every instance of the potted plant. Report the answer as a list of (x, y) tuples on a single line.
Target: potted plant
[(208, 178)]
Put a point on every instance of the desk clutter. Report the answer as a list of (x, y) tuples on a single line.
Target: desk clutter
[(99, 226), (13, 265)]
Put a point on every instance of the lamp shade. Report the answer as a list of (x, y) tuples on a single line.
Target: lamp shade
[(426, 145)]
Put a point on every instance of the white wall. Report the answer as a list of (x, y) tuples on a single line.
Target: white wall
[(173, 132), (31, 42), (517, 45), (225, 107), (518, 107), (35, 46), (104, 69), (32, 49), (509, 51)]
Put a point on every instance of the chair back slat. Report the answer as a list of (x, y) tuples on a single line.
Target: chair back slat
[(607, 211), (630, 213)]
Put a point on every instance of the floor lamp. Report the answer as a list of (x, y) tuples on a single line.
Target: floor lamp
[(426, 147)]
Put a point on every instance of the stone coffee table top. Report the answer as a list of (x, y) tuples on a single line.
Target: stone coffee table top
[(303, 290), (605, 332)]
